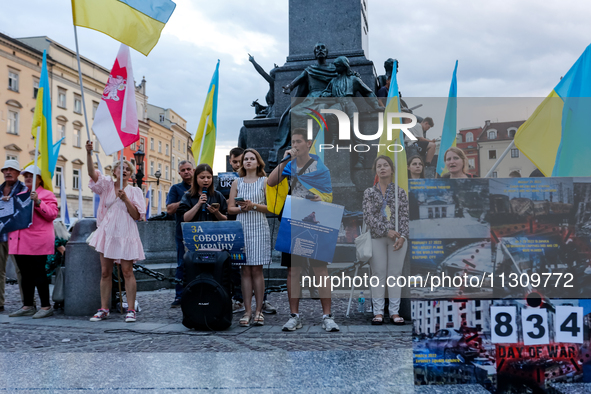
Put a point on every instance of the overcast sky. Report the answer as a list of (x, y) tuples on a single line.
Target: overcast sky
[(511, 48)]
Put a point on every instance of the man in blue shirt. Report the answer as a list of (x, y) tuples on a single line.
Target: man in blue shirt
[(175, 194)]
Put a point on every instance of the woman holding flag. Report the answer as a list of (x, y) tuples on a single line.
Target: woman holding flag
[(116, 236), (32, 245), (388, 245)]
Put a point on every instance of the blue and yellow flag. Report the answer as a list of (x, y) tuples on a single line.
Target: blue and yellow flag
[(136, 23), (399, 158), (317, 182), (204, 143), (450, 123), (556, 137), (48, 151)]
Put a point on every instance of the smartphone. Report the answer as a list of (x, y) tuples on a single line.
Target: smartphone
[(310, 196), (239, 199), (215, 205)]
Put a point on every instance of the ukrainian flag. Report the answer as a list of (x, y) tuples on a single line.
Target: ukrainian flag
[(204, 144), (48, 151), (556, 137), (450, 123), (136, 23), (317, 182), (399, 158)]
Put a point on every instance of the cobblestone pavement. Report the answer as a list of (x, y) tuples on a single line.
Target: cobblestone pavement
[(75, 334)]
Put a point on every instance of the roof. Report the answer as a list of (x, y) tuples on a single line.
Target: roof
[(21, 44), (502, 129)]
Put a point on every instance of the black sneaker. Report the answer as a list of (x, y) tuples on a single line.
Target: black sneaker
[(176, 303)]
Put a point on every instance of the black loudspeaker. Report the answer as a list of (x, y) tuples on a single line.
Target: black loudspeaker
[(206, 301)]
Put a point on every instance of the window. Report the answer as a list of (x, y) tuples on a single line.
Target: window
[(35, 88), (184, 151), (94, 108), (478, 315), (75, 179), (62, 129), (459, 139), (152, 199), (61, 98), (11, 157), (494, 174), (449, 308), (450, 318), (166, 172), (471, 163), (77, 138), (166, 151), (437, 320), (438, 310), (77, 104), (142, 147), (95, 144), (12, 122), (492, 154), (58, 176), (133, 146), (428, 320), (160, 168), (13, 81), (151, 168), (161, 118), (159, 146), (469, 137), (178, 145), (151, 143), (514, 153), (512, 132), (477, 303), (492, 135)]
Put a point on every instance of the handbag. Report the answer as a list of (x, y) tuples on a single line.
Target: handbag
[(58, 289), (363, 246)]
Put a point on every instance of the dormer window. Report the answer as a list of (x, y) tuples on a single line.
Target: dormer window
[(492, 135)]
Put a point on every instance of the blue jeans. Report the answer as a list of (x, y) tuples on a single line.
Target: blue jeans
[(180, 267)]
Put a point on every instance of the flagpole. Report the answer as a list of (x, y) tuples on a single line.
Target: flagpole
[(82, 88), (396, 187), (121, 170), (36, 158), (494, 167)]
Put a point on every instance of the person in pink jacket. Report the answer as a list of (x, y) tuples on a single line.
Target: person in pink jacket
[(30, 247)]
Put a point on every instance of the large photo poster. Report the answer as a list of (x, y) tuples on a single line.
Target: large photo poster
[(309, 228), (16, 213)]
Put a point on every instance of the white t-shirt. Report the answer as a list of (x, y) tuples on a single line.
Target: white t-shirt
[(416, 130)]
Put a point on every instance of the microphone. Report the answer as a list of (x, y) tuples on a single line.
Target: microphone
[(204, 191), (286, 158)]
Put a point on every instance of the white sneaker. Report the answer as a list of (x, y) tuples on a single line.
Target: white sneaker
[(102, 314), (293, 323), (238, 306), (329, 325), (268, 308), (130, 317)]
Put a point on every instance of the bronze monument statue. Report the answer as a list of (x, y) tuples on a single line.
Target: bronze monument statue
[(260, 110), (344, 87), (309, 84)]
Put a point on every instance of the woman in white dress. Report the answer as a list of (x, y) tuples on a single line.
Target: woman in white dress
[(248, 202)]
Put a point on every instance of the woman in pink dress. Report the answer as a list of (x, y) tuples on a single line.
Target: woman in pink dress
[(116, 236)]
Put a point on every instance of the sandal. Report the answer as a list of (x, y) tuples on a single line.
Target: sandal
[(377, 320), (397, 321), (245, 320), (259, 319)]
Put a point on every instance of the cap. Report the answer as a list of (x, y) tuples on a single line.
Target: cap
[(32, 169), (12, 164)]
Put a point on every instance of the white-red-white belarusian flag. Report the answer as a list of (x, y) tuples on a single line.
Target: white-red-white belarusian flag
[(115, 122)]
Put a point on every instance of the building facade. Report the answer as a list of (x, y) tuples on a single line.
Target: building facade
[(467, 140), (432, 316), (493, 141)]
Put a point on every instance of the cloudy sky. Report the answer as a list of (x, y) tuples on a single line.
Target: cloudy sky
[(506, 48)]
